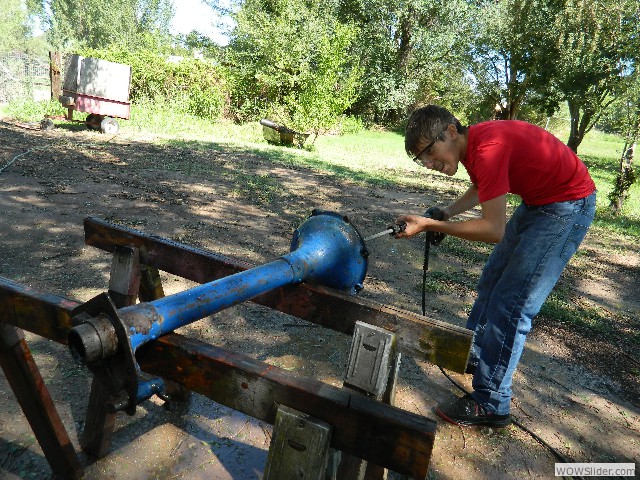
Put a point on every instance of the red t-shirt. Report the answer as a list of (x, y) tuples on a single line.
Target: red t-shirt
[(511, 156)]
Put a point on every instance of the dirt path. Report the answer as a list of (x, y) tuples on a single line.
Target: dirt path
[(575, 389)]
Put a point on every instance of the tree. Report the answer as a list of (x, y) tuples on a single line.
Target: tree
[(98, 24), (512, 55), (13, 18), (195, 41), (326, 90), (597, 48), (629, 128), (290, 59), (412, 51)]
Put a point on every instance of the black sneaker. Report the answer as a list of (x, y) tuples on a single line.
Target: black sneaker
[(466, 412)]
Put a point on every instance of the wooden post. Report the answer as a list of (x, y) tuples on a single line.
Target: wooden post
[(124, 280), (98, 422), (124, 283), (299, 447), (376, 472), (150, 284), (28, 386), (372, 369), (55, 74)]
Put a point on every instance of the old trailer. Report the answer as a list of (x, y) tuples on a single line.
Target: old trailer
[(99, 88)]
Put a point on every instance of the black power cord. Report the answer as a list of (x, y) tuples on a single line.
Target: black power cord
[(432, 238)]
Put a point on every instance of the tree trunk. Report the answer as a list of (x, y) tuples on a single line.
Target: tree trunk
[(576, 133), (625, 178), (405, 45), (514, 108)]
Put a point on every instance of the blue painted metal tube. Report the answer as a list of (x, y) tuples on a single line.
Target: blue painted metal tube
[(325, 249), (169, 313), (150, 388)]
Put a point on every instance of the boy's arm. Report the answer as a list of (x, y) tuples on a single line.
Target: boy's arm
[(489, 228), (464, 202)]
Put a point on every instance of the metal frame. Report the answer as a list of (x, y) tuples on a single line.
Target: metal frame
[(362, 426)]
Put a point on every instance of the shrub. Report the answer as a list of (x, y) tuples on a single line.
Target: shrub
[(30, 110), (350, 125), (290, 61)]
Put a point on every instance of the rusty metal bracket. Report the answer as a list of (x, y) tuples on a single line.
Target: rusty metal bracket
[(118, 373)]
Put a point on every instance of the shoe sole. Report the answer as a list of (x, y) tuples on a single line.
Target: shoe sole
[(479, 423)]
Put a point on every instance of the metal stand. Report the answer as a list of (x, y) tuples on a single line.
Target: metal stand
[(372, 369), (299, 447)]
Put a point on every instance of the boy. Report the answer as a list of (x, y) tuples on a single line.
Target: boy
[(532, 248)]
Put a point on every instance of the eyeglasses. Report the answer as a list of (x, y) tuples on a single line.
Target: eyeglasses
[(428, 148)]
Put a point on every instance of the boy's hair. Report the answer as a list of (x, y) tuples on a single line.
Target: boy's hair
[(427, 122)]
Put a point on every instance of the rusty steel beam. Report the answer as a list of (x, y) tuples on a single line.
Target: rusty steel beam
[(389, 436), (420, 337), (43, 314)]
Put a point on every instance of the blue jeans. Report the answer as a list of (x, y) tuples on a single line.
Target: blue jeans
[(519, 275)]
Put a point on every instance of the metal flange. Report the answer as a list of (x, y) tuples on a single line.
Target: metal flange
[(99, 340)]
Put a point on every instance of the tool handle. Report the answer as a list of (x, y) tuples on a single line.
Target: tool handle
[(397, 228)]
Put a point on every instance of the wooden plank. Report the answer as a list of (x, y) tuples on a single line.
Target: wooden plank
[(392, 437), (420, 337), (28, 386), (370, 359), (371, 368), (299, 447), (124, 278)]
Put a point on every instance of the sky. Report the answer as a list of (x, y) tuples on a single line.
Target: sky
[(194, 15)]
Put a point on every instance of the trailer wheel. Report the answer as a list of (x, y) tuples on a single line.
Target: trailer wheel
[(46, 124), (92, 121), (109, 125)]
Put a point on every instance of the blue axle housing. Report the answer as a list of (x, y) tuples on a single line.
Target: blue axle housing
[(326, 249)]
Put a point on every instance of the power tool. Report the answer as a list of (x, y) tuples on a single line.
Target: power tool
[(434, 237)]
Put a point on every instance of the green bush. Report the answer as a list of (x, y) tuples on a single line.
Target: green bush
[(29, 110), (350, 125)]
